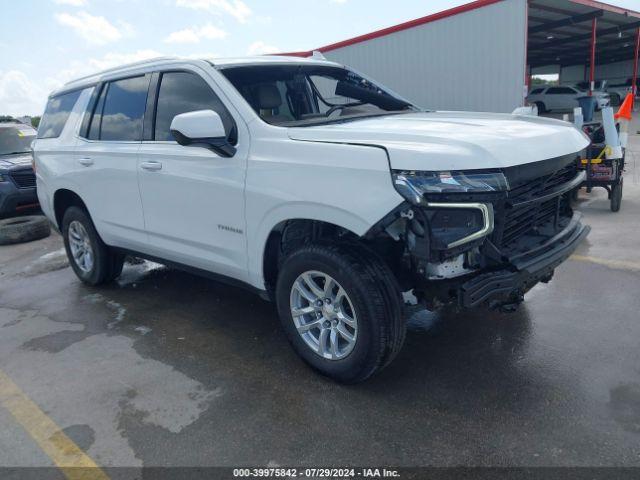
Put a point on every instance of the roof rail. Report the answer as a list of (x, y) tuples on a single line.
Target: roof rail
[(121, 67)]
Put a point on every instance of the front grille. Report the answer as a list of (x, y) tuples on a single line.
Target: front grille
[(24, 178), (523, 220)]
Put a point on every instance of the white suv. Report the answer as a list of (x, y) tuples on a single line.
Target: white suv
[(619, 90), (312, 185), (564, 98)]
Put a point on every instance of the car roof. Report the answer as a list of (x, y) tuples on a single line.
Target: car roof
[(270, 60), (219, 63)]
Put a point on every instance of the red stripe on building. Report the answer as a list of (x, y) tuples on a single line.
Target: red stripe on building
[(467, 7), (445, 14)]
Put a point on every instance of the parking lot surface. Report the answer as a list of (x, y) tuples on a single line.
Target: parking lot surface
[(164, 368)]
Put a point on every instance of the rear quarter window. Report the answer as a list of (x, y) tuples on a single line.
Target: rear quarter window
[(56, 114)]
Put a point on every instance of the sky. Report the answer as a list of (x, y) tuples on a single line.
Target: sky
[(45, 43)]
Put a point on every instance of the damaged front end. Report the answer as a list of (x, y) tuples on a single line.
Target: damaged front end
[(484, 236)]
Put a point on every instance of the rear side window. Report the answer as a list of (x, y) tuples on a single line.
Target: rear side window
[(120, 109), (182, 92), (56, 114), (537, 91), (561, 91)]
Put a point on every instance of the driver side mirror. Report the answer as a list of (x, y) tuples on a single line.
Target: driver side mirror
[(203, 128)]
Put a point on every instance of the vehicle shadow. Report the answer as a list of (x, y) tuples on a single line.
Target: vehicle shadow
[(474, 347), (480, 342), (459, 373)]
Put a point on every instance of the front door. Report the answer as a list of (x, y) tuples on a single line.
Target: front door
[(193, 198)]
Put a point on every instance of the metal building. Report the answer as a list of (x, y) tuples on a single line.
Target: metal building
[(480, 56)]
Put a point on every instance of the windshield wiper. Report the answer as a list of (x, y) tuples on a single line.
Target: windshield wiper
[(350, 118), (381, 100)]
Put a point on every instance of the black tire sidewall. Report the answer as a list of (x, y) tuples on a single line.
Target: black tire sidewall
[(100, 251), (367, 348), (616, 197), (23, 229)]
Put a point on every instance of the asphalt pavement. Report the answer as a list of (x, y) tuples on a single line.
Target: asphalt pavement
[(164, 368)]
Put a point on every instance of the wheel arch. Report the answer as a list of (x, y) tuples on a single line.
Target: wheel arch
[(64, 198), (302, 224)]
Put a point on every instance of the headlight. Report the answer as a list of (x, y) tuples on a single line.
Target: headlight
[(455, 224), (452, 224), (414, 185)]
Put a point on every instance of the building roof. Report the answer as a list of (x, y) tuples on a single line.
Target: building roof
[(398, 28), (569, 6), (560, 32)]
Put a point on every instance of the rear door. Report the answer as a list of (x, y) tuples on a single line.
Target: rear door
[(108, 151), (562, 98), (552, 98), (193, 198)]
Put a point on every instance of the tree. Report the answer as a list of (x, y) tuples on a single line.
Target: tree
[(35, 121)]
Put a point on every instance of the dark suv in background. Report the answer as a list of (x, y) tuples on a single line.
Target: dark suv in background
[(17, 178)]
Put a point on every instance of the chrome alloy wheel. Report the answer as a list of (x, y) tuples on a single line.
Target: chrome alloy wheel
[(80, 246), (324, 315)]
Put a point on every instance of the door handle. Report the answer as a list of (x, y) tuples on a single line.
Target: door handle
[(151, 166), (85, 162)]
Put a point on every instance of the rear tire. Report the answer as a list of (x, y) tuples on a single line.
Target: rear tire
[(616, 197), (92, 261), (373, 306)]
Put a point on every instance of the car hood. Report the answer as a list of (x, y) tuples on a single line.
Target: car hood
[(454, 140), (12, 161)]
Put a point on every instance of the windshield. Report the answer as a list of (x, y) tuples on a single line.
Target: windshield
[(16, 139), (299, 95)]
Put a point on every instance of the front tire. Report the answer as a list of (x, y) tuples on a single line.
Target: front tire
[(92, 261), (341, 309)]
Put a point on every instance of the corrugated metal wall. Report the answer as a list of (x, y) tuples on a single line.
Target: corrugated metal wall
[(612, 71), (471, 61)]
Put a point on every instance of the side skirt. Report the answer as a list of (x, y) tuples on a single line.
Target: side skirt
[(198, 271)]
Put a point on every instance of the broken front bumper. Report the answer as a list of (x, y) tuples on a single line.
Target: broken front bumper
[(524, 270)]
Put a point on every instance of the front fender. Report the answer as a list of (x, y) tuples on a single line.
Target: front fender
[(297, 211), (345, 185)]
